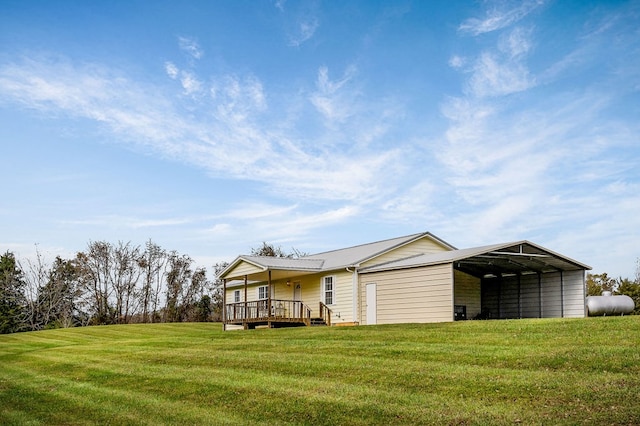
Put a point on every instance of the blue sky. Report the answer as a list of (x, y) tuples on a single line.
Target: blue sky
[(211, 126)]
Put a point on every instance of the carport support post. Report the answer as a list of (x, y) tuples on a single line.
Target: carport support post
[(561, 294), (539, 295), (519, 295)]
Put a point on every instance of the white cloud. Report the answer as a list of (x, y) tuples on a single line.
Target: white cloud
[(491, 77), (330, 99), (233, 135), (190, 46), (516, 43), (190, 83), (279, 4), (306, 30), (171, 69), (456, 61), (500, 16)]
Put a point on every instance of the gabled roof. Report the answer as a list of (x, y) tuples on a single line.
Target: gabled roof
[(506, 258), (326, 261), (353, 256)]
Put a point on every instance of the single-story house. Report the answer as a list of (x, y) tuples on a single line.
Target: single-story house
[(416, 278)]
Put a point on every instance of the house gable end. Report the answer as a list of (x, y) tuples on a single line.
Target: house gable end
[(423, 244)]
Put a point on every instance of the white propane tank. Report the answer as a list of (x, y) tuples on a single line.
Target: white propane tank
[(609, 305)]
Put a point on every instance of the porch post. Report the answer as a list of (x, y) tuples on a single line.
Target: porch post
[(224, 304), (246, 312), (269, 295)]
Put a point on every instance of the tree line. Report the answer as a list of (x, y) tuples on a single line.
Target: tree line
[(106, 284)]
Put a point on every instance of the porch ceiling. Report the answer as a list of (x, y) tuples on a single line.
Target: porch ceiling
[(276, 274)]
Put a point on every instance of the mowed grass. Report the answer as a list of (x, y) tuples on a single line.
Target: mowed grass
[(581, 371)]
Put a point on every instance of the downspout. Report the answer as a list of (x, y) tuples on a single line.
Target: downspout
[(355, 294)]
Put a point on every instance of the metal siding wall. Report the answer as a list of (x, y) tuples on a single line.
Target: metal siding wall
[(411, 295), (574, 294), (529, 296), (509, 300), (551, 295)]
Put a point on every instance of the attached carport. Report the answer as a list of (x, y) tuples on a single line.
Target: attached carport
[(509, 280), (520, 280)]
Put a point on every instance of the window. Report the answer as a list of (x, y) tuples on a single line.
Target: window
[(263, 292), (236, 296), (328, 290)]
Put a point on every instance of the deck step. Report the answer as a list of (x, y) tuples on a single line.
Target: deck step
[(315, 322)]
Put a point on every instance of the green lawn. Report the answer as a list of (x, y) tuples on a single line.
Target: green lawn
[(583, 371)]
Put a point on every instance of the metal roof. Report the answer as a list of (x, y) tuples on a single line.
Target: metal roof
[(520, 257), (353, 256), (326, 261)]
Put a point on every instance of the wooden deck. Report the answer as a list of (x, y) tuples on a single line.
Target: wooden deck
[(274, 313)]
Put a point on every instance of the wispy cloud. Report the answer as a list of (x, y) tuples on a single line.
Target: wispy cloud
[(500, 15), (306, 30), (499, 71), (301, 23), (519, 166), (191, 47), (493, 77), (332, 102), (231, 133)]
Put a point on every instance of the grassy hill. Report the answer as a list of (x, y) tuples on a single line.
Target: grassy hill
[(583, 371)]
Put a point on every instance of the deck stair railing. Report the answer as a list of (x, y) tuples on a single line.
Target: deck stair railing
[(325, 313)]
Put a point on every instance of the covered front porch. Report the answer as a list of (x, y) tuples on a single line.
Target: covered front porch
[(275, 313), (256, 286)]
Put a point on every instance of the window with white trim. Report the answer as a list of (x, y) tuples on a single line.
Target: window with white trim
[(329, 290), (263, 292), (236, 296)]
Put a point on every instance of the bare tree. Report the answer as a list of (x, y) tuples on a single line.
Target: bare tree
[(38, 310), (95, 272), (218, 288), (177, 279), (124, 278), (152, 264)]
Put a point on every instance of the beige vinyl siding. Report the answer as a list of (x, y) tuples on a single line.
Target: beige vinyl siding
[(242, 269), (310, 292), (252, 292), (422, 246), (467, 293), (342, 307), (423, 294)]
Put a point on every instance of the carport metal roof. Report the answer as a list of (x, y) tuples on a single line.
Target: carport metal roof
[(521, 257)]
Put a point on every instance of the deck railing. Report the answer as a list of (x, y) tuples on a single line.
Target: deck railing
[(268, 310), (325, 313)]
